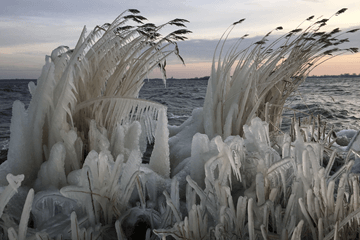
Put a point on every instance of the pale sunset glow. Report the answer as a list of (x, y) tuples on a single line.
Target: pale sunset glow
[(31, 31), (339, 65)]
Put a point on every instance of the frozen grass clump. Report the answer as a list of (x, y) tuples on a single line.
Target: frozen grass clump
[(255, 81)]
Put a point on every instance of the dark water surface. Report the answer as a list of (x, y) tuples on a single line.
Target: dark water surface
[(180, 96), (337, 100)]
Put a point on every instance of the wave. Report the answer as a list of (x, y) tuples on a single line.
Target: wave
[(172, 116)]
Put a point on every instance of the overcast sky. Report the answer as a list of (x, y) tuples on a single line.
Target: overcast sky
[(31, 29)]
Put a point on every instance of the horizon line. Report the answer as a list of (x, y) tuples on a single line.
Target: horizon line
[(207, 77)]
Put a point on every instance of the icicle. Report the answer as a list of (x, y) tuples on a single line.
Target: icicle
[(240, 213), (218, 119), (159, 160), (307, 217), (355, 184), (23, 225), (12, 234), (199, 147), (170, 203), (289, 206), (283, 180), (52, 172), (72, 161), (306, 164), (330, 163), (310, 204), (251, 219), (340, 197), (233, 112), (320, 229), (175, 198), (74, 227), (263, 231), (317, 208), (273, 194), (284, 234), (323, 190), (260, 192), (278, 219), (336, 229), (297, 231)]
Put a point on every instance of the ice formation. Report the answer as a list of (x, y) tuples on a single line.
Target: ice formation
[(225, 173)]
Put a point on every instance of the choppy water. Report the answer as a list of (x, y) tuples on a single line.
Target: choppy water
[(10, 90), (180, 96), (335, 99)]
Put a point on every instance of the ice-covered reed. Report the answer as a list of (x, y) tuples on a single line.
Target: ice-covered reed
[(220, 175), (99, 79), (256, 80)]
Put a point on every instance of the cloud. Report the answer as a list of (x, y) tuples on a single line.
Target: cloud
[(36, 27), (84, 8), (27, 31), (202, 50)]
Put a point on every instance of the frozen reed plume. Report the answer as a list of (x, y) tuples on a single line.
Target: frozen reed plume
[(99, 79), (256, 80)]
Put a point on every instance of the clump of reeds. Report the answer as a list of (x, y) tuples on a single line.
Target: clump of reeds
[(256, 80), (99, 79)]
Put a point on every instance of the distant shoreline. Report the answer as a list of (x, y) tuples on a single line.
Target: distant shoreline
[(346, 75)]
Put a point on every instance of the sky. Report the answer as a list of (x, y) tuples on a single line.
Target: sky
[(31, 29)]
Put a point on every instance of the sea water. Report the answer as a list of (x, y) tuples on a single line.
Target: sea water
[(336, 100)]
